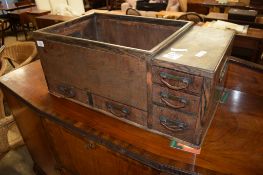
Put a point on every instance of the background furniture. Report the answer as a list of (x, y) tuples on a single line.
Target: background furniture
[(134, 12), (7, 7), (20, 54), (204, 6), (48, 20), (3, 27), (224, 16), (24, 19), (191, 16), (5, 122)]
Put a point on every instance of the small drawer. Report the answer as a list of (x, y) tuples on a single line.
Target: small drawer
[(177, 80), (120, 110), (70, 92), (173, 123), (176, 100)]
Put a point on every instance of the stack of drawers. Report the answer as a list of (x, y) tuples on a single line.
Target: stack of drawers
[(188, 83), (176, 103)]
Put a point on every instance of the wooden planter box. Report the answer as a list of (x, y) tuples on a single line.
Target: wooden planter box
[(115, 64)]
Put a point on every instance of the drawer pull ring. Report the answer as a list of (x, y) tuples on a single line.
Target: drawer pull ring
[(113, 108), (90, 145), (184, 80), (165, 96), (66, 91), (172, 125)]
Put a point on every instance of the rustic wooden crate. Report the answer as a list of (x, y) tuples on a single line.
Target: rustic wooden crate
[(112, 63)]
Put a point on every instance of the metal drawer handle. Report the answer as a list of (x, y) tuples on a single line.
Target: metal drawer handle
[(184, 80), (68, 92), (117, 110), (182, 100), (172, 125)]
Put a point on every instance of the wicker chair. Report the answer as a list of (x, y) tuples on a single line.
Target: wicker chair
[(12, 57), (20, 54), (191, 16), (134, 12), (5, 122)]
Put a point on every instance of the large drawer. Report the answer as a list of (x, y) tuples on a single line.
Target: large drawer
[(120, 110), (174, 123), (175, 100), (70, 92), (86, 98), (177, 80)]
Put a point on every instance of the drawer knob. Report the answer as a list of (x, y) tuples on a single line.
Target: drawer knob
[(117, 110), (185, 81), (90, 145), (67, 91), (172, 125), (183, 102)]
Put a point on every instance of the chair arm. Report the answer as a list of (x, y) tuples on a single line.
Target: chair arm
[(6, 121), (28, 60)]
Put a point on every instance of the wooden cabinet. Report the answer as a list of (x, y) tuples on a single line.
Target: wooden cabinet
[(61, 135), (78, 155)]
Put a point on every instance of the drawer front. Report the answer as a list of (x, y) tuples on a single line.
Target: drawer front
[(175, 100), (173, 123), (70, 92), (177, 80), (121, 110)]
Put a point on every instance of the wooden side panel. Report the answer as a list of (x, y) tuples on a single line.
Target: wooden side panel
[(89, 157), (33, 133), (212, 93), (120, 78), (133, 34)]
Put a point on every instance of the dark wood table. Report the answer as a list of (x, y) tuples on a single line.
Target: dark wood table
[(203, 6), (49, 125), (30, 10), (48, 20), (11, 6), (224, 17), (21, 17)]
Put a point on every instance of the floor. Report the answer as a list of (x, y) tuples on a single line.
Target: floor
[(17, 161)]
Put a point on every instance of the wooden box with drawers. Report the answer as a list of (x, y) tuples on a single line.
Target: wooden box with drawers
[(115, 64)]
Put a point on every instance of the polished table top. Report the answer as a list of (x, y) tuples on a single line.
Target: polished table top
[(233, 145), (224, 16), (12, 6), (56, 17), (30, 10), (214, 2)]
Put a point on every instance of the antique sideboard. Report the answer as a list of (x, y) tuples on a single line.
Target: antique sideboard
[(66, 138)]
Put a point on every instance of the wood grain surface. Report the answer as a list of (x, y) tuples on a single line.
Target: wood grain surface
[(233, 144)]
